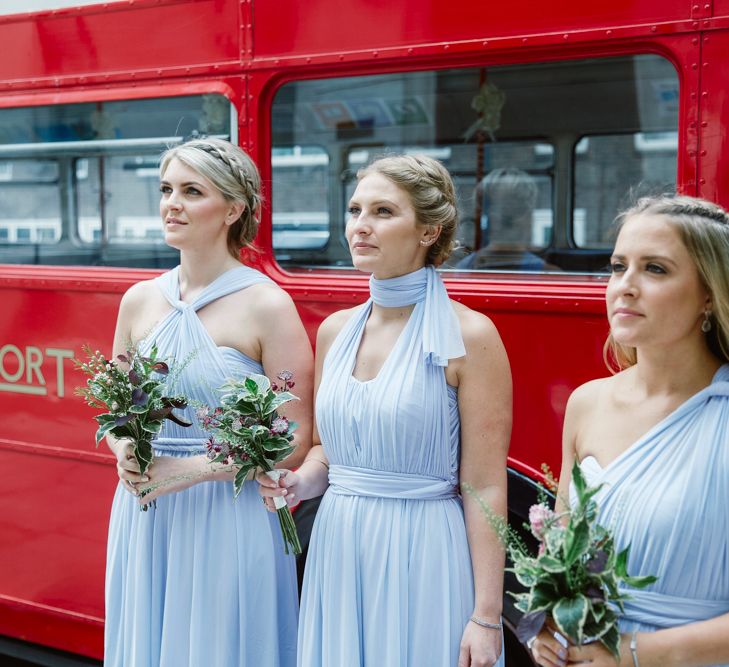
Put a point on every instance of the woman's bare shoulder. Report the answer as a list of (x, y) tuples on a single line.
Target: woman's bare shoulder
[(333, 324), (590, 396), (476, 328)]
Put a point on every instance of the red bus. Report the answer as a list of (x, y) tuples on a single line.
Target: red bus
[(549, 117)]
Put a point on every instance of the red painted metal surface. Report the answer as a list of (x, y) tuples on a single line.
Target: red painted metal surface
[(56, 491)]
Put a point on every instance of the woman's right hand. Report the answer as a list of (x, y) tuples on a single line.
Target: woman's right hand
[(547, 650), (285, 487), (127, 467)]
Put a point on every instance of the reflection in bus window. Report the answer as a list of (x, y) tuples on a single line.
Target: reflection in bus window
[(79, 183), (624, 166), (300, 215), (546, 122)]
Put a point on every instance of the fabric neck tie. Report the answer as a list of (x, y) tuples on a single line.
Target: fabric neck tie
[(442, 338)]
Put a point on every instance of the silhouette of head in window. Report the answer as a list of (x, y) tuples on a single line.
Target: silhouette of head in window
[(508, 197)]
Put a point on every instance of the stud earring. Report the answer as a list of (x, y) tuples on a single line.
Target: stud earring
[(706, 324)]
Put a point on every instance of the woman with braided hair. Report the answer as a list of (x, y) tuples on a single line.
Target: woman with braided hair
[(414, 396), (200, 578), (655, 435)]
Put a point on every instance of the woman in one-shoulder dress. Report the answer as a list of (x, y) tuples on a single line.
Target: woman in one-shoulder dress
[(414, 396), (201, 578), (656, 436)]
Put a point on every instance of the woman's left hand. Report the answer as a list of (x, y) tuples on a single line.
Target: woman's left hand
[(480, 647), (171, 474), (597, 655)]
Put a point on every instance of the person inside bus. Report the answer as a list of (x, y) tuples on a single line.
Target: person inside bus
[(656, 435), (414, 395), (507, 199), (201, 578)]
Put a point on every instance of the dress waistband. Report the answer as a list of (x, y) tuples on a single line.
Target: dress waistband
[(352, 481), (665, 611), (180, 445)]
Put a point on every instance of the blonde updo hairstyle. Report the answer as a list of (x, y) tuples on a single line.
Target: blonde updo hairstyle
[(704, 229), (431, 192), (233, 173)]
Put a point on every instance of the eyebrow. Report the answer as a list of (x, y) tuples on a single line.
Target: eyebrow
[(649, 258), (377, 202), (184, 185)]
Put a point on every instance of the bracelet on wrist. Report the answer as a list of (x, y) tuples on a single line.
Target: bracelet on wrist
[(485, 624), (634, 648)]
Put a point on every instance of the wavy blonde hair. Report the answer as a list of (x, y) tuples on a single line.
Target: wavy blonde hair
[(432, 195), (704, 229), (233, 173)]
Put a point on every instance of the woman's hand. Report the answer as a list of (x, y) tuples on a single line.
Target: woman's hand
[(126, 465), (171, 474), (480, 647), (547, 650), (285, 487), (597, 655)]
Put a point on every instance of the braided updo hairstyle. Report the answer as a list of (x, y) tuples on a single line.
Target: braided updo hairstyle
[(432, 196), (704, 229), (230, 170)]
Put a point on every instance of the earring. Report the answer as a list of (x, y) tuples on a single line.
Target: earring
[(706, 324), (424, 243)]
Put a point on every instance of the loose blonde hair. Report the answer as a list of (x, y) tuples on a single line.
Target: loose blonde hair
[(233, 173), (432, 195), (704, 229)]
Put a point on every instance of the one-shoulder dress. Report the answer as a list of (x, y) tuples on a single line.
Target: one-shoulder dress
[(388, 579), (666, 497), (201, 578)]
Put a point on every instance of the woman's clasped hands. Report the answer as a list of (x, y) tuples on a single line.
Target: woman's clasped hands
[(285, 487)]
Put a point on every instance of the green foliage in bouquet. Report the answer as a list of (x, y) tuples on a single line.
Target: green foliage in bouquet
[(134, 397), (249, 433), (575, 576)]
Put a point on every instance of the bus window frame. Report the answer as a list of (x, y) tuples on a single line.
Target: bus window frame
[(264, 87), (55, 274)]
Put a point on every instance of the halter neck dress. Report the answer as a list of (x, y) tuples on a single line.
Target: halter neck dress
[(666, 497), (388, 579), (200, 579)]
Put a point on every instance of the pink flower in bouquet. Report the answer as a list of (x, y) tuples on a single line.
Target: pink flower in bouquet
[(540, 518), (280, 426)]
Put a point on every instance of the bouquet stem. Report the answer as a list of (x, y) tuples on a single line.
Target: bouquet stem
[(285, 519), (288, 529)]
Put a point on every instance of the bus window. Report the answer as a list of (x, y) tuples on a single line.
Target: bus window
[(299, 193), (634, 164), (79, 183), (525, 145)]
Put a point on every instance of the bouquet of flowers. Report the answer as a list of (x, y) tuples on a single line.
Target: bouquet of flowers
[(135, 400), (574, 577), (248, 432)]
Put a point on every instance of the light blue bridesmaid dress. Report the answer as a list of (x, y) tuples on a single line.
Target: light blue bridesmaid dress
[(667, 497), (201, 579), (388, 579)]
